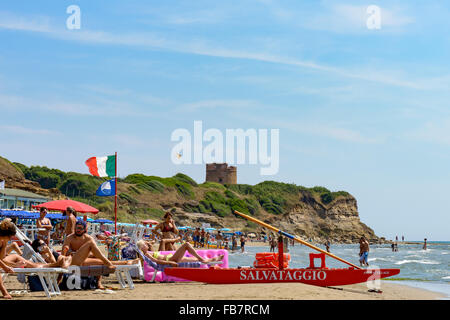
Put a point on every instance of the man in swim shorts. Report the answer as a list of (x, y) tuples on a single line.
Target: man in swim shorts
[(363, 252)]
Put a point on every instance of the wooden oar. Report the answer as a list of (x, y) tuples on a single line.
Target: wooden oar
[(295, 238)]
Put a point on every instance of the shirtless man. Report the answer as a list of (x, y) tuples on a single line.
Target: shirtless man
[(70, 223), (363, 252), (44, 223), (85, 252)]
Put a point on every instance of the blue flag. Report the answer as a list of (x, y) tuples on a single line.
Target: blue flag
[(107, 188)]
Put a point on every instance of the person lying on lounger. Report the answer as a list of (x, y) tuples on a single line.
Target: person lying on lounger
[(175, 258), (83, 251), (8, 262)]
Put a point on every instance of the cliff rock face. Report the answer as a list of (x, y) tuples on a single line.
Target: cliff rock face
[(309, 219), (15, 179), (338, 221)]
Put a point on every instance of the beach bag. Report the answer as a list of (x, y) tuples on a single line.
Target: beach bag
[(114, 250), (34, 283), (129, 253)]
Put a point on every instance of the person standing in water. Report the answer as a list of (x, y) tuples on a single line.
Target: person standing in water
[(363, 252), (425, 244)]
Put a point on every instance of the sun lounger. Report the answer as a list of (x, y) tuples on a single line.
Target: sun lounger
[(47, 276), (161, 267), (122, 273)]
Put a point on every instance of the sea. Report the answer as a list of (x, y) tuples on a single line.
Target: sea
[(426, 269)]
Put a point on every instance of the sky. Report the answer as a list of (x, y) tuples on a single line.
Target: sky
[(358, 109)]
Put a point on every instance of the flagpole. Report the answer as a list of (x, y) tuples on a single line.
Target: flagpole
[(115, 199)]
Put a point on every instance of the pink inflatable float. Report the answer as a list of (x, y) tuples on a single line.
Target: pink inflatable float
[(160, 276)]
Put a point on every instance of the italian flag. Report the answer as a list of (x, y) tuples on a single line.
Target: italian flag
[(102, 166)]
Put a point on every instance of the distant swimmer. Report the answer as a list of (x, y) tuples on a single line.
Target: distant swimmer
[(363, 252), (425, 244), (327, 245)]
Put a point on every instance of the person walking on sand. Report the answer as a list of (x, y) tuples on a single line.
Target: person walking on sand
[(363, 252)]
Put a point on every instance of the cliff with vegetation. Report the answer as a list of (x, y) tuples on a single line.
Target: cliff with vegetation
[(311, 213)]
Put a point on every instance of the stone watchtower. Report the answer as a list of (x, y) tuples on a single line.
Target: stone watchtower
[(221, 173)]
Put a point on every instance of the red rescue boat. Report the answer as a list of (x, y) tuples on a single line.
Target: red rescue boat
[(272, 268), (317, 277)]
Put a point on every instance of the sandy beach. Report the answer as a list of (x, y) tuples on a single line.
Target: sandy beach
[(201, 291)]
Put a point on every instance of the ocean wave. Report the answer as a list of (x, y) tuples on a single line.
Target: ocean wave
[(446, 278), (417, 261), (379, 259)]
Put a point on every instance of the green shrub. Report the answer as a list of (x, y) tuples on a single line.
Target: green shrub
[(239, 205), (214, 185), (230, 194), (107, 207), (186, 179), (134, 190), (320, 190), (272, 208), (326, 197), (216, 197), (220, 209), (128, 198), (243, 189), (185, 190), (156, 186)]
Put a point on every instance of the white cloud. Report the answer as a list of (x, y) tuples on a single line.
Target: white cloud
[(202, 47), (345, 18), (437, 132), (25, 130), (105, 107), (33, 24), (214, 104)]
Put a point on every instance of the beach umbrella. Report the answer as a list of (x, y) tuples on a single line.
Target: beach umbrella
[(61, 205), (225, 229), (149, 221), (103, 221), (210, 229)]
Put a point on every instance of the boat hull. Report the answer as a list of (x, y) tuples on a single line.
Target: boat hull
[(316, 277)]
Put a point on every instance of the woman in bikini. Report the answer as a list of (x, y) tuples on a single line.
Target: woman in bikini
[(177, 257), (169, 232), (45, 226)]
